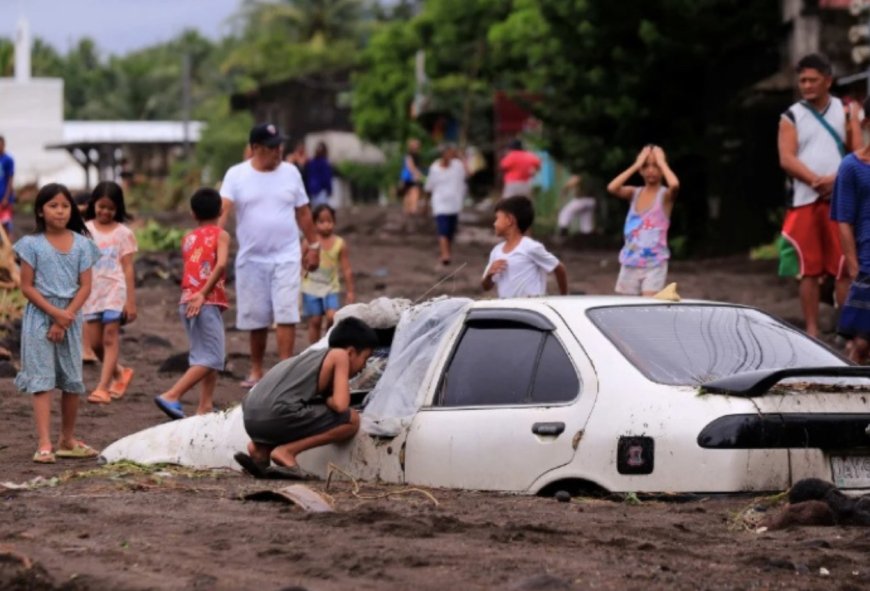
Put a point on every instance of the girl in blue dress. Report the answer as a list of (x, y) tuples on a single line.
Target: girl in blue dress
[(56, 266)]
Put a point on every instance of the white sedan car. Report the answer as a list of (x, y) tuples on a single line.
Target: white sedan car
[(578, 393)]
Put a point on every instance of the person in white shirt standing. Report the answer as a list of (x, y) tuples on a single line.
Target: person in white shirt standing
[(518, 267), (815, 134), (446, 183), (271, 206)]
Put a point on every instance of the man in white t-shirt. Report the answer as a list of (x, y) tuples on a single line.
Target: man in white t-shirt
[(271, 205), (518, 267)]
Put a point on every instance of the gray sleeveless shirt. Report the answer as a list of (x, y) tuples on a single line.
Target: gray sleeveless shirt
[(289, 390)]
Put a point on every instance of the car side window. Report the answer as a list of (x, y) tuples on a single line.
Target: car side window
[(504, 365), (556, 379)]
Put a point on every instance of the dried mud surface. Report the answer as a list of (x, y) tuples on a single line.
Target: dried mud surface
[(124, 528)]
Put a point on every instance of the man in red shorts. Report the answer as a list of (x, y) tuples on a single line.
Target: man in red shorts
[(814, 135)]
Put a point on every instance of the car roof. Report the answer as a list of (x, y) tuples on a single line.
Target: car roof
[(586, 302)]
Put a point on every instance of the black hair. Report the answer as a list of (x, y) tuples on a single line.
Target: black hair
[(521, 208), (321, 150), (206, 204), (352, 332), (866, 107), (815, 61), (112, 191), (320, 209), (46, 194), (82, 198), (516, 144)]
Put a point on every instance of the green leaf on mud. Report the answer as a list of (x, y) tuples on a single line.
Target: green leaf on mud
[(631, 498)]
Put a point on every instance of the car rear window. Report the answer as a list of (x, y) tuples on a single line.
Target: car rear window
[(691, 345)]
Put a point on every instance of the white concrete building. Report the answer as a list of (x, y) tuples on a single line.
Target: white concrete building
[(48, 149), (31, 116)]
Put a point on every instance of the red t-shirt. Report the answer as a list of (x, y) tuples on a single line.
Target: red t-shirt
[(519, 166), (199, 249)]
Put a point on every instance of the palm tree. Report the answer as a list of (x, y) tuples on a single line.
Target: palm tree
[(307, 21)]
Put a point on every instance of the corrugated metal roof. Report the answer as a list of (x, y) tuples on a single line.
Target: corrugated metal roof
[(128, 132)]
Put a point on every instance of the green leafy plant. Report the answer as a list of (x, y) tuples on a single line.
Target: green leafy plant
[(154, 237), (765, 252)]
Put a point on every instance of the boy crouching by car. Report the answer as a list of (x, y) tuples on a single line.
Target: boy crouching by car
[(304, 402)]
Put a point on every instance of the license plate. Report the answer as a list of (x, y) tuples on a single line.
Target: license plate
[(851, 471)]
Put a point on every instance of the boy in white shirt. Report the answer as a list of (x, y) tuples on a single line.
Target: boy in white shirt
[(446, 182), (518, 266)]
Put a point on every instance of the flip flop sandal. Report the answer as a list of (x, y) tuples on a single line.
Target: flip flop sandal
[(79, 451), (172, 409), (44, 456), (248, 382), (286, 473), (119, 386), (250, 465), (100, 396)]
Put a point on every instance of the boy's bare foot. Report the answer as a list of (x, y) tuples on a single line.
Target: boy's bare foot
[(283, 458)]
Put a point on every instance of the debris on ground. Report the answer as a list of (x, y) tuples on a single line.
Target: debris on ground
[(295, 494)]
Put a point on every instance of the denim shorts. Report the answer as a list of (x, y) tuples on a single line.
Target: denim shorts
[(105, 317), (446, 225), (205, 333), (317, 306)]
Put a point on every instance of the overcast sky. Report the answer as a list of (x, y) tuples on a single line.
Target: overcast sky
[(116, 25)]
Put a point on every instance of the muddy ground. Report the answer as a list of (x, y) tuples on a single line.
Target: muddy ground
[(126, 528)]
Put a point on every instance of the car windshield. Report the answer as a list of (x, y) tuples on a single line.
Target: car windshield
[(693, 344)]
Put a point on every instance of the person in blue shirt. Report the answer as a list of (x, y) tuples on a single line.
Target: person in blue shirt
[(850, 208), (318, 176), (7, 195)]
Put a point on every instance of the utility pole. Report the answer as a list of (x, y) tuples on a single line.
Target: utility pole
[(185, 102)]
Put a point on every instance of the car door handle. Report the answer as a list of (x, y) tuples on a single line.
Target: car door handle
[(551, 429)]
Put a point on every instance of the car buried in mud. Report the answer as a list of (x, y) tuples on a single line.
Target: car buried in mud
[(577, 393)]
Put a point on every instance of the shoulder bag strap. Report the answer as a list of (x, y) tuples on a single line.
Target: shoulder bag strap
[(824, 123)]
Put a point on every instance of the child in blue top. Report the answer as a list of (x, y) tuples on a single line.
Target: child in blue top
[(56, 266)]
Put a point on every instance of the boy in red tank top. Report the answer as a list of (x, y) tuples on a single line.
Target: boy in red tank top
[(203, 299)]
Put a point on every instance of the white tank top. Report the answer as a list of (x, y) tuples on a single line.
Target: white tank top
[(816, 147)]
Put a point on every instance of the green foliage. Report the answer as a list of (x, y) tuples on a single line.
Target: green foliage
[(383, 87), (615, 75), (368, 176), (154, 237), (294, 37), (766, 252), (679, 246), (460, 65), (7, 57), (223, 139)]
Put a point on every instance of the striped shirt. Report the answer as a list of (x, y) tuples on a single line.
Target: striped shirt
[(816, 147), (851, 204)]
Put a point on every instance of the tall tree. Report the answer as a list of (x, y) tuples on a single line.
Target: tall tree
[(613, 75), (460, 67), (281, 39)]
